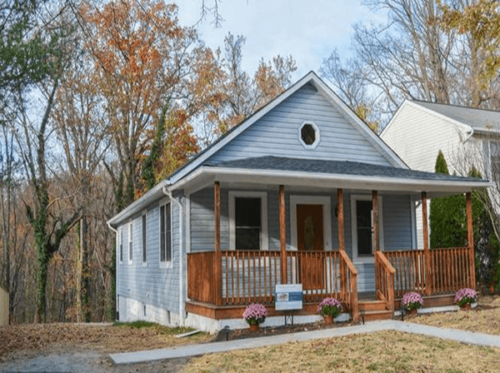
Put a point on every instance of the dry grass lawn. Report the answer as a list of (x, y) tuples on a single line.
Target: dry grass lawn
[(484, 319), (379, 352), (108, 338)]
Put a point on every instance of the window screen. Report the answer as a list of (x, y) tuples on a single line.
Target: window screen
[(144, 232), (166, 233), (364, 227)]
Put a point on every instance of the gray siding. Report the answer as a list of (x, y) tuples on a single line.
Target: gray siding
[(151, 284), (277, 133)]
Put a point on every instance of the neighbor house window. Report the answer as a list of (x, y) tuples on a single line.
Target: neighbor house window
[(248, 221), (130, 242), (165, 234), (144, 233)]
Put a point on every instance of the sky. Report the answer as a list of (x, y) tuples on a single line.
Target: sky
[(307, 30)]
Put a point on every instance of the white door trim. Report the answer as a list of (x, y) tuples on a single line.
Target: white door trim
[(327, 217), (354, 226)]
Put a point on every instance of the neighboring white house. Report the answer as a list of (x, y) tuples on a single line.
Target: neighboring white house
[(466, 136), (4, 307)]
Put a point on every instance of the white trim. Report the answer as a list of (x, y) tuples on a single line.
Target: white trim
[(317, 136), (413, 220), (144, 242), (187, 206), (264, 238), (166, 263), (130, 242), (354, 227), (325, 201)]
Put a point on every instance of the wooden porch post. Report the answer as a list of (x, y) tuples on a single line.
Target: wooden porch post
[(376, 233), (217, 256), (340, 225), (427, 254), (282, 214), (470, 240)]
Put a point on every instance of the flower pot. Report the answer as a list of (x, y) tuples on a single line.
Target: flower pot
[(466, 307), (413, 312), (328, 319), (254, 327)]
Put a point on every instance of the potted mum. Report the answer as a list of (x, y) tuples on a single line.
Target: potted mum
[(465, 297), (329, 308), (254, 315), (412, 302)]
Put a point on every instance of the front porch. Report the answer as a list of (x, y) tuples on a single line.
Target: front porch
[(221, 283)]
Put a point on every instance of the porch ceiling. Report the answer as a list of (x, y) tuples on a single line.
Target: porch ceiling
[(266, 172)]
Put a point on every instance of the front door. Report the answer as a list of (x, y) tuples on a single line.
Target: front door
[(310, 237)]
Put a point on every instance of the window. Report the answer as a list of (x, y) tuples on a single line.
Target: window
[(130, 242), (144, 233), (120, 238), (165, 234), (248, 221), (309, 135)]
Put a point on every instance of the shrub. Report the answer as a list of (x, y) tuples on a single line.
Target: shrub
[(412, 301), (465, 296), (330, 307), (255, 313)]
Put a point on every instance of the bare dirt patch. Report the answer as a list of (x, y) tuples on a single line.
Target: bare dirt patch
[(381, 352), (30, 339), (483, 319)]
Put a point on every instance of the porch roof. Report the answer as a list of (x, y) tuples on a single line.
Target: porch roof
[(329, 174)]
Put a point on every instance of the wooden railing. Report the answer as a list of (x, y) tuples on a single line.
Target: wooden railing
[(410, 271), (200, 274), (251, 276), (384, 280), (450, 270)]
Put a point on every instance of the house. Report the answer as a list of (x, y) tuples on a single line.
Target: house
[(302, 192), (4, 307), (468, 137)]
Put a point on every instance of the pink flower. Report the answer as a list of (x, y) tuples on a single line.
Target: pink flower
[(465, 296), (330, 306), (412, 301), (255, 313)]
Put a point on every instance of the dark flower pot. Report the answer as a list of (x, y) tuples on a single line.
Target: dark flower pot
[(466, 307), (328, 319), (413, 312), (254, 327)]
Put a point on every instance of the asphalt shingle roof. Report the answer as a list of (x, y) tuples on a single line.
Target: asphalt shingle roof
[(334, 167), (477, 118)]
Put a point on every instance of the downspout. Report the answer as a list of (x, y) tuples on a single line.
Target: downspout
[(117, 302), (181, 242)]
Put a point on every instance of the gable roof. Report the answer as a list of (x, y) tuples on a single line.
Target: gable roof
[(200, 158), (479, 119), (472, 120)]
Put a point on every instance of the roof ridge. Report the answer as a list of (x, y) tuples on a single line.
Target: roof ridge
[(454, 105)]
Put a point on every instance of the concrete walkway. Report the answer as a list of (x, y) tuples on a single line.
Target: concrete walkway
[(376, 326)]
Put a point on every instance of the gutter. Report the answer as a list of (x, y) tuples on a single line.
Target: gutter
[(182, 312), (117, 304), (471, 133)]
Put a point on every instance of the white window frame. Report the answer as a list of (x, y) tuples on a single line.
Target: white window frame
[(166, 263), (130, 246), (354, 226), (144, 218), (327, 217), (317, 137), (264, 238)]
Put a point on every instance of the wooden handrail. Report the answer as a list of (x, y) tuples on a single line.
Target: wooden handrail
[(351, 266), (385, 262)]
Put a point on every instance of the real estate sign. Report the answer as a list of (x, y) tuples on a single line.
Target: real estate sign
[(288, 297)]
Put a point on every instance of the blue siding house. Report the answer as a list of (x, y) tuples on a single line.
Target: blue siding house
[(302, 191)]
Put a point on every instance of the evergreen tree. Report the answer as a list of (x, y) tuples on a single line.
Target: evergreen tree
[(447, 216)]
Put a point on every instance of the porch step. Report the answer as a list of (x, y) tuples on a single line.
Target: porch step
[(378, 315), (372, 305)]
